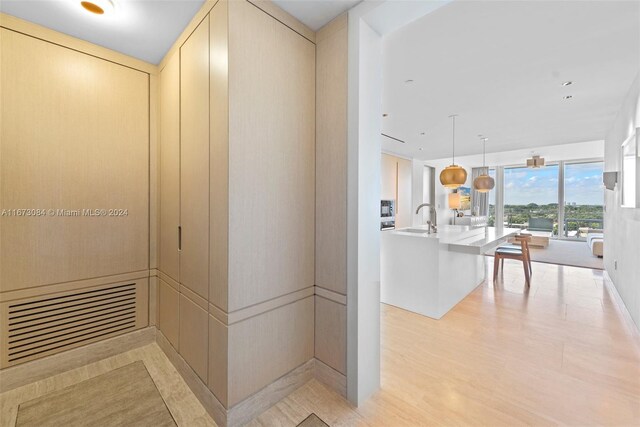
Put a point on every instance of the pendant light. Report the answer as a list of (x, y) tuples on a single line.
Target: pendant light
[(484, 183), (453, 176)]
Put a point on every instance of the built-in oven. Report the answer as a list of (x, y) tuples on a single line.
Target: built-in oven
[(387, 214)]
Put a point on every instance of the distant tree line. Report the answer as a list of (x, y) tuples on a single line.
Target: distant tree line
[(518, 215)]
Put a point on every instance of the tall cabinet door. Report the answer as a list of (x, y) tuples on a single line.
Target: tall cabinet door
[(194, 160), (170, 167)]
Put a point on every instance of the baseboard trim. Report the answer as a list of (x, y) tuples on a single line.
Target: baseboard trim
[(256, 404), (631, 324), (211, 404), (26, 373), (330, 377)]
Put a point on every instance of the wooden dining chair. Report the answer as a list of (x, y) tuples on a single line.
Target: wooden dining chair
[(518, 251)]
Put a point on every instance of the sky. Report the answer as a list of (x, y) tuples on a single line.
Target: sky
[(583, 185)]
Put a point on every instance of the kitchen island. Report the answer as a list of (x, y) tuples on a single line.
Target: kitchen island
[(430, 273)]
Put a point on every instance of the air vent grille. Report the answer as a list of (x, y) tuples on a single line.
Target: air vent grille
[(39, 327)]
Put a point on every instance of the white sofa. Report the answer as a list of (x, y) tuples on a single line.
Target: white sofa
[(596, 243)]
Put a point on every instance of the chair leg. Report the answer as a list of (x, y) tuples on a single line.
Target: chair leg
[(496, 265), (525, 265)]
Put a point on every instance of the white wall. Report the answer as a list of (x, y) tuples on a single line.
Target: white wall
[(369, 21), (622, 225), (363, 207)]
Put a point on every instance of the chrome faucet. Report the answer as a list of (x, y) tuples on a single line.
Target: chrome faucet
[(432, 213)]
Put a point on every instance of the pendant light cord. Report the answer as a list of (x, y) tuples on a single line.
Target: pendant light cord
[(453, 154), (484, 149)]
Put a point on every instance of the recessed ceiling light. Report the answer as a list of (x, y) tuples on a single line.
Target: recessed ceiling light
[(408, 81), (422, 133), (98, 7), (567, 83), (420, 148), (567, 96)]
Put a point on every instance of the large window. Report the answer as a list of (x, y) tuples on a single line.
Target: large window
[(531, 198), (584, 199), (534, 199)]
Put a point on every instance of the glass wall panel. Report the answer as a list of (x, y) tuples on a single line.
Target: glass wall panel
[(584, 199), (531, 198)]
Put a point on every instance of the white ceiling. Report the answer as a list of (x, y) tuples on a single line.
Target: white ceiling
[(500, 66), (144, 29), (316, 13)]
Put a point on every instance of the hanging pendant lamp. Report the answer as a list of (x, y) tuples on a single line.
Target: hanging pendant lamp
[(484, 183), (453, 176)]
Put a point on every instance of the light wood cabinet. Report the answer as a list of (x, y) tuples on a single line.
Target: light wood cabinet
[(169, 310), (395, 185), (403, 195), (74, 136), (194, 160), (245, 139), (271, 157), (389, 177), (170, 168), (194, 336)]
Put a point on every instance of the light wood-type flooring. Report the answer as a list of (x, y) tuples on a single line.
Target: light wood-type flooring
[(560, 353)]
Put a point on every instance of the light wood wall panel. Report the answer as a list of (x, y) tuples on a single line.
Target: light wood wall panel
[(267, 346), (219, 175), (271, 157), (194, 160), (218, 359), (169, 313), (74, 135), (331, 156), (396, 185), (331, 333), (194, 336), (403, 198), (170, 167), (389, 176)]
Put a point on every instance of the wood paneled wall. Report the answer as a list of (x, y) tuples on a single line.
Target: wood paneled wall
[(396, 174), (331, 194), (271, 157), (74, 135), (194, 160), (170, 168), (254, 322)]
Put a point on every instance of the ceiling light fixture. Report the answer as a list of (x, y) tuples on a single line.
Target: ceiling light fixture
[(453, 176), (567, 83), (483, 183), (98, 7), (567, 97), (535, 162), (408, 81)]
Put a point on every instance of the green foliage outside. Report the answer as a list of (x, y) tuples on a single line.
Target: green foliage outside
[(576, 216)]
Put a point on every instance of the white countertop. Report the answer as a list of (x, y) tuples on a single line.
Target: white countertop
[(462, 238)]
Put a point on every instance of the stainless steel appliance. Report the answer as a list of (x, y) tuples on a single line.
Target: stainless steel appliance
[(387, 214)]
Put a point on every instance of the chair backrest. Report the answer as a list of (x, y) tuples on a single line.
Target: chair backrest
[(524, 240)]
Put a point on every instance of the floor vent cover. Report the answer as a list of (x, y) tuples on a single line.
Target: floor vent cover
[(35, 328)]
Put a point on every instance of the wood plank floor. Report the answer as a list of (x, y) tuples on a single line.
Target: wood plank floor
[(559, 353)]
